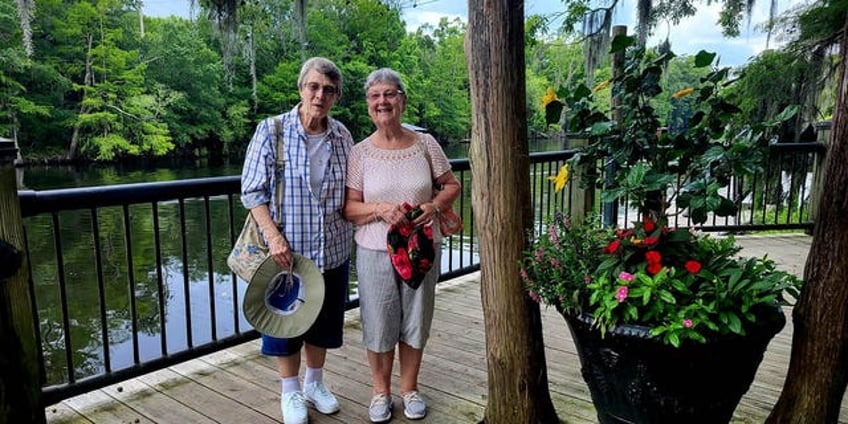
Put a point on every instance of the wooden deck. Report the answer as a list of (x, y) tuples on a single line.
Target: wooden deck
[(240, 386)]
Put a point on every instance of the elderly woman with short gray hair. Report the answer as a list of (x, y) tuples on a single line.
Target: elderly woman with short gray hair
[(392, 168), (315, 148)]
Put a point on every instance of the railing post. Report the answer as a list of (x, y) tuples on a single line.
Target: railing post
[(582, 201), (20, 388)]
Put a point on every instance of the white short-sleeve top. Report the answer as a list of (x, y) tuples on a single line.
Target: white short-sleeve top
[(393, 176)]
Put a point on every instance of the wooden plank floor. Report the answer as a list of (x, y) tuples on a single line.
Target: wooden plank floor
[(240, 386)]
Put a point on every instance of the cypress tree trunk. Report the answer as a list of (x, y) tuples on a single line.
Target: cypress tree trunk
[(518, 382), (818, 368)]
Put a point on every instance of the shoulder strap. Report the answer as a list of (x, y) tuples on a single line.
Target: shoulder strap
[(281, 166), (420, 139)]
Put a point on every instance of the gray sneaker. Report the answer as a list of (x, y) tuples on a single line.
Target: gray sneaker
[(380, 410), (414, 407)]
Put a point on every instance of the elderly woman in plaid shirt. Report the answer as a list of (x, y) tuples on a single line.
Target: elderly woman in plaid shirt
[(316, 149)]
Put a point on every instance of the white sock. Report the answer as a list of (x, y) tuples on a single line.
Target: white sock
[(291, 384), (313, 375)]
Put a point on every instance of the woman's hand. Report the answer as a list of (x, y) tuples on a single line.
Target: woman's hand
[(429, 211), (280, 251), (389, 213)]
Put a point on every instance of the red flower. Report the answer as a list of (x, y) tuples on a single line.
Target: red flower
[(650, 241), (654, 268), (649, 226), (402, 264), (612, 247), (653, 257), (693, 266)]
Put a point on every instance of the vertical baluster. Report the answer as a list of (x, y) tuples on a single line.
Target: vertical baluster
[(234, 279), (160, 281), (210, 270), (101, 289), (131, 283), (63, 296), (186, 280)]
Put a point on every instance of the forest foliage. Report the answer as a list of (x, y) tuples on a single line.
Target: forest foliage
[(105, 82)]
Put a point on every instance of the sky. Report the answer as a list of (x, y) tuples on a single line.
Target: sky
[(696, 33)]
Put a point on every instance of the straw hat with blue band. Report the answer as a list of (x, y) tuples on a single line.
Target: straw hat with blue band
[(281, 307)]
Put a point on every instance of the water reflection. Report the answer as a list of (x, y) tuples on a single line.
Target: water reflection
[(179, 293)]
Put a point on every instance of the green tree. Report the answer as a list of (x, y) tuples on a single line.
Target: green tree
[(434, 62), (185, 80)]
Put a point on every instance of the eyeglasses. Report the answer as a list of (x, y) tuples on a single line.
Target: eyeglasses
[(388, 95), (326, 90)]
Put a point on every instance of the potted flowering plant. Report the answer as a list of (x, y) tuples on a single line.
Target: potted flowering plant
[(660, 315)]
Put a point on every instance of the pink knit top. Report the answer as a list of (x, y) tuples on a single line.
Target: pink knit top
[(393, 176)]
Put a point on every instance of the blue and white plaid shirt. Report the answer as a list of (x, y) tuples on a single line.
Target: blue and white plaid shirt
[(312, 222)]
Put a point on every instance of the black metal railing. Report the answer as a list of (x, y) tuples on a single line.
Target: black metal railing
[(128, 279)]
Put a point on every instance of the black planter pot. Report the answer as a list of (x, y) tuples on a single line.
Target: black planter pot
[(636, 378)]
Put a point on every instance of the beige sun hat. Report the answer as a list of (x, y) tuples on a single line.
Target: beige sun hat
[(276, 310)]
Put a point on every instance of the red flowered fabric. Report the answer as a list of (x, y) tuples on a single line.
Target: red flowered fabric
[(411, 248)]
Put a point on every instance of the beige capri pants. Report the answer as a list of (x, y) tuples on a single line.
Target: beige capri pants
[(390, 311)]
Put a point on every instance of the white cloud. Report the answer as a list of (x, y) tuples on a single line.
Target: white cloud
[(415, 18)]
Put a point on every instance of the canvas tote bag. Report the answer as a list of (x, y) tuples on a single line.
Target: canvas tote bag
[(250, 249)]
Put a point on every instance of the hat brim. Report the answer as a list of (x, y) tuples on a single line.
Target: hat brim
[(278, 325)]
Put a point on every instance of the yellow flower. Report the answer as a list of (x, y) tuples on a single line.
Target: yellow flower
[(683, 93), (560, 179), (601, 86), (549, 97)]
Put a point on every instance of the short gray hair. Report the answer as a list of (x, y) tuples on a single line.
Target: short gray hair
[(324, 67), (385, 76)]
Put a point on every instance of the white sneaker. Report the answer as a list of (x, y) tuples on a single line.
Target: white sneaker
[(380, 410), (414, 407), (317, 394), (293, 405)]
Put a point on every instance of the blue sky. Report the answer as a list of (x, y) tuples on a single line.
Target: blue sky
[(696, 33)]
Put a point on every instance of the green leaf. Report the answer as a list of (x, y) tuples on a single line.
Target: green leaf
[(674, 339), (553, 112), (734, 323), (621, 42), (787, 113), (704, 58), (601, 128)]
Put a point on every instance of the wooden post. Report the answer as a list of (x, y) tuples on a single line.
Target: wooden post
[(823, 129), (610, 209), (20, 387), (582, 201)]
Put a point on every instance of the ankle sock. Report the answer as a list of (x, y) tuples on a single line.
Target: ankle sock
[(290, 384), (312, 375)]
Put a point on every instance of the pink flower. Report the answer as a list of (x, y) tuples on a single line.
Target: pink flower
[(626, 276), (552, 232), (621, 294), (687, 323), (535, 296)]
